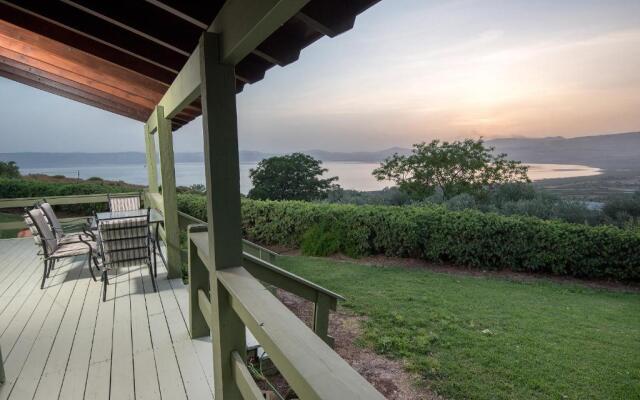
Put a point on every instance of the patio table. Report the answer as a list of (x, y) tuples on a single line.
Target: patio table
[(155, 218)]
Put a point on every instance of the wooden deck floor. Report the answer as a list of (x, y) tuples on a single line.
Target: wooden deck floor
[(63, 342)]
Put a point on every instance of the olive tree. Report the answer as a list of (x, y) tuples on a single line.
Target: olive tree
[(452, 168)]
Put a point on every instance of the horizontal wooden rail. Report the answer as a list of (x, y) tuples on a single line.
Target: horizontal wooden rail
[(244, 380), (20, 224), (323, 299), (184, 220), (57, 200), (310, 366)]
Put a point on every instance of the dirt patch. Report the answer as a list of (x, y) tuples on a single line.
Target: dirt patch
[(388, 376)]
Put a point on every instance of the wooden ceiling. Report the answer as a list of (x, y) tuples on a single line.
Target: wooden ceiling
[(121, 56)]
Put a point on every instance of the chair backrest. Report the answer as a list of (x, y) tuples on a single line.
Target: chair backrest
[(53, 221), (32, 228), (124, 241), (124, 203), (47, 237)]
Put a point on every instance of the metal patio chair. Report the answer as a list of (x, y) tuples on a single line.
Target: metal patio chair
[(62, 236), (124, 203), (52, 250), (125, 242)]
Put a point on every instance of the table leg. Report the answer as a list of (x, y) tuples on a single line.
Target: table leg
[(164, 260)]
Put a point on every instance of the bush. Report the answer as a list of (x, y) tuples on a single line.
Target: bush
[(18, 188), (470, 238)]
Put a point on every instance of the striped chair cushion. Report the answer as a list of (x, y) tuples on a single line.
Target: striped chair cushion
[(125, 241), (128, 203)]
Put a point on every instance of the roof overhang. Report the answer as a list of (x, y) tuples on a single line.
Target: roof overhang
[(123, 56)]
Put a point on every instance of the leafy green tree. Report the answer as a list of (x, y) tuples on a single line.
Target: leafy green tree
[(452, 168), (9, 169), (294, 176)]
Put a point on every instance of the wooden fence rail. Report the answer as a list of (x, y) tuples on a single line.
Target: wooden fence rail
[(303, 357)]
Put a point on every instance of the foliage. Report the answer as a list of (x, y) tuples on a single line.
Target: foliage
[(9, 169), (492, 338), (623, 208), (18, 188), (295, 176), (388, 196), (451, 168), (469, 238)]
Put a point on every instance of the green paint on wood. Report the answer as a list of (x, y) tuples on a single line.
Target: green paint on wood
[(169, 199), (222, 173), (150, 150)]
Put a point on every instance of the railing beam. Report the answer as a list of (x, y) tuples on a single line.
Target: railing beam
[(169, 196), (150, 153), (222, 173), (198, 282)]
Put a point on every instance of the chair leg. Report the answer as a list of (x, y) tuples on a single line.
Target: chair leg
[(49, 267), (44, 273), (91, 269), (105, 282), (153, 278)]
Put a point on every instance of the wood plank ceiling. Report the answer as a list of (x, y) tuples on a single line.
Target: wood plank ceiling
[(121, 56)]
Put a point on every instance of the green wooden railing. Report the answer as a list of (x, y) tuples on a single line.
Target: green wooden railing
[(303, 357), (53, 200)]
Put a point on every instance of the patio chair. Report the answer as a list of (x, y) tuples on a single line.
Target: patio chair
[(59, 232), (124, 203), (125, 242), (52, 250)]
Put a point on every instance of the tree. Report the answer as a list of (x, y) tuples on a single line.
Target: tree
[(453, 168), (9, 169), (295, 176)]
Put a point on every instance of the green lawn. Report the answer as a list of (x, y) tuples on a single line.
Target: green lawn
[(9, 233), (491, 338)]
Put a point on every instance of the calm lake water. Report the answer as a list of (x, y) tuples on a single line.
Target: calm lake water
[(352, 175)]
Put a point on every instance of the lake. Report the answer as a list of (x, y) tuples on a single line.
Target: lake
[(352, 175)]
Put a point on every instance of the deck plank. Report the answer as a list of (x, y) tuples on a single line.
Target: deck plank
[(76, 371), (99, 375), (144, 360), (122, 352), (52, 377), (63, 342), (24, 340), (33, 367)]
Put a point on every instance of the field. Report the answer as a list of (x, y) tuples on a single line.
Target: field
[(492, 338), (595, 188)]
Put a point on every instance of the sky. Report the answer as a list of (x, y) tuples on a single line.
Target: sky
[(410, 71)]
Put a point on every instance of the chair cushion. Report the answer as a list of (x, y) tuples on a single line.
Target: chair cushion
[(73, 249)]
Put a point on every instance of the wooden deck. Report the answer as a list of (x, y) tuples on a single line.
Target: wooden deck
[(63, 342)]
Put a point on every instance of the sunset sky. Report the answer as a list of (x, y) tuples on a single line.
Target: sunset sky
[(410, 71)]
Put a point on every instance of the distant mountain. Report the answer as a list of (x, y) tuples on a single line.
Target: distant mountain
[(611, 152), (617, 151)]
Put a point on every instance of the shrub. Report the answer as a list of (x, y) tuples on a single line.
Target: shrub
[(470, 238)]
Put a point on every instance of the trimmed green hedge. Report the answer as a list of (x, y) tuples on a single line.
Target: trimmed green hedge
[(470, 238), (17, 188)]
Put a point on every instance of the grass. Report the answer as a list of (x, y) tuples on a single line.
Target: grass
[(492, 338), (9, 233)]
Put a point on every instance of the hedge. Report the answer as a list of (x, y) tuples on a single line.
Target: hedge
[(469, 238)]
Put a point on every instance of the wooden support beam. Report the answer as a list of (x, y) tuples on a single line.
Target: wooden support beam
[(183, 91), (150, 153), (180, 38), (72, 93), (94, 28), (247, 23), (199, 318), (222, 172), (169, 197), (86, 44)]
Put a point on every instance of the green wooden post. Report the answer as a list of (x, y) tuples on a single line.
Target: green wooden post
[(150, 149), (222, 173), (321, 317), (198, 280), (169, 199)]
